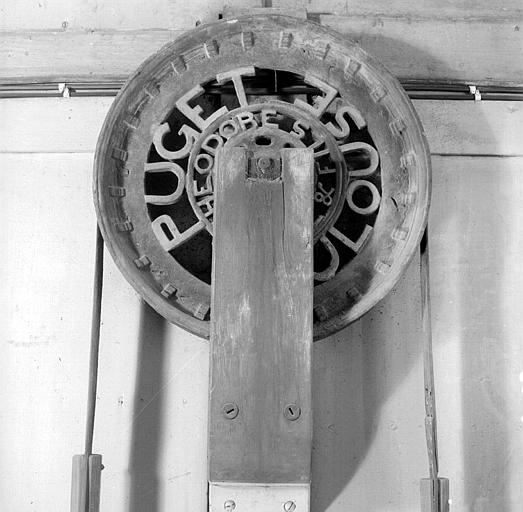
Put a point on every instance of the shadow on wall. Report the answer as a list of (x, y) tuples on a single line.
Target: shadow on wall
[(146, 439), (359, 369), (355, 373), (480, 234)]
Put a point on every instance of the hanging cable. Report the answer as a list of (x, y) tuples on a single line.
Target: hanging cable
[(86, 476), (434, 490)]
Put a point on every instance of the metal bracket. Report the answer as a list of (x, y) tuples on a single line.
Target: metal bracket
[(63, 89), (474, 90), (249, 497)]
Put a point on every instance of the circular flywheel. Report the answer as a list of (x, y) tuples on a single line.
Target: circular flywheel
[(306, 86)]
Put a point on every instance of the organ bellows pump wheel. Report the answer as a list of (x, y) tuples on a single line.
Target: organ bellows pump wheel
[(288, 82)]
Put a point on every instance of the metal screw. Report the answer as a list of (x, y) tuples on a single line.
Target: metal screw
[(230, 411), (289, 506), (264, 163), (229, 505), (292, 412)]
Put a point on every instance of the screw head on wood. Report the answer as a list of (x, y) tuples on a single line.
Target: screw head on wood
[(292, 412), (229, 506), (289, 506), (230, 410)]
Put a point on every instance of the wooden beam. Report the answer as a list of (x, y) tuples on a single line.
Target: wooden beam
[(477, 50), (79, 483), (260, 418), (480, 52), (453, 9), (80, 55)]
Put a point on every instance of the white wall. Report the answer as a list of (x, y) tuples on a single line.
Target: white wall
[(369, 447)]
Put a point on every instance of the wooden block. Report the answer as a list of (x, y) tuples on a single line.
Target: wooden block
[(429, 503), (261, 333), (95, 477), (85, 483), (79, 483)]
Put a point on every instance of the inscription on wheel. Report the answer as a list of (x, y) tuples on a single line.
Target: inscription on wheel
[(347, 169)]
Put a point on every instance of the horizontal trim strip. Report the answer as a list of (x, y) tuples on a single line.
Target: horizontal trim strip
[(419, 90)]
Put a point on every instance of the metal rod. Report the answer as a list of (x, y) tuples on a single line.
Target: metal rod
[(428, 373), (419, 90), (95, 341)]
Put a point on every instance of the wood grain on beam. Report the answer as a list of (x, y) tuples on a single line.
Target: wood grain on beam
[(135, 14), (63, 56), (450, 9), (481, 51), (114, 15), (260, 418)]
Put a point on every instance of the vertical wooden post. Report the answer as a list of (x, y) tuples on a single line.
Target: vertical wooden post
[(79, 486), (260, 418)]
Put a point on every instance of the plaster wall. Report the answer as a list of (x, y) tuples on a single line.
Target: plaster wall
[(369, 448)]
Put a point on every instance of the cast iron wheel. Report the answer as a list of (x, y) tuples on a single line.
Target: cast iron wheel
[(311, 87)]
